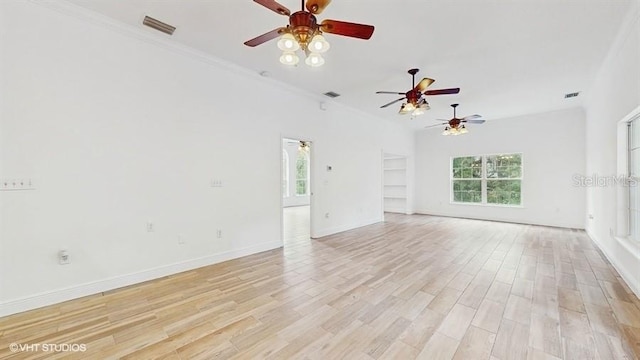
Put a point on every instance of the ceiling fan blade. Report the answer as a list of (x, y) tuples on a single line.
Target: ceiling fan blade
[(478, 121), (389, 92), (393, 102), (471, 117), (430, 126), (424, 84), (442, 91), (317, 6), (265, 37), (359, 31), (274, 6)]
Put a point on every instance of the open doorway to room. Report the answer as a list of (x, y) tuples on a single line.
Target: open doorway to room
[(296, 191)]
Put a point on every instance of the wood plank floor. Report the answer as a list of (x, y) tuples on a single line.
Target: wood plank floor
[(418, 287)]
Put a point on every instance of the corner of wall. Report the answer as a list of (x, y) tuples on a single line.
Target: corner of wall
[(631, 277)]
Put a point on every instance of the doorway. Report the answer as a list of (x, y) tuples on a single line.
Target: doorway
[(296, 191)]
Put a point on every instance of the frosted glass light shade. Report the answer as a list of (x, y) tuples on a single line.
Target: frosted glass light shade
[(289, 58), (319, 44), (288, 43), (315, 60)]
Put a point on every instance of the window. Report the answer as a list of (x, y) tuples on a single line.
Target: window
[(302, 172), (285, 174), (487, 179), (467, 179), (504, 177)]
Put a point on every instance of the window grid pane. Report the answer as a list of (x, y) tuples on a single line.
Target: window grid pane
[(469, 167), (301, 187), (506, 192), (468, 191)]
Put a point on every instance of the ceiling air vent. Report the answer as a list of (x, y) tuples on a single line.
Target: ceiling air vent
[(332, 94), (570, 95), (158, 25)]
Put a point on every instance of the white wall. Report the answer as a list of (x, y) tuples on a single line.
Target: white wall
[(293, 199), (552, 146), (615, 93), (120, 128)]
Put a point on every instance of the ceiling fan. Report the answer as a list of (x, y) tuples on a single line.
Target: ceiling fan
[(416, 102), (456, 126), (304, 32)]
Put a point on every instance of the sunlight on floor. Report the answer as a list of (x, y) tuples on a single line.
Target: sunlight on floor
[(296, 225)]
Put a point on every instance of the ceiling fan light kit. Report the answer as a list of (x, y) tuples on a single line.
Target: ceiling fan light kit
[(417, 103), (456, 126), (455, 131), (304, 32)]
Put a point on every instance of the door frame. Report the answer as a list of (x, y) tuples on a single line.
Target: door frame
[(311, 184)]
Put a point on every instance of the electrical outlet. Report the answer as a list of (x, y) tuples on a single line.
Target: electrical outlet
[(219, 233), (63, 257), (150, 227), (181, 240), (326, 215)]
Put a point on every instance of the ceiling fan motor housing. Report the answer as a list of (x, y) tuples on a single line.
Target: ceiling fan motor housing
[(413, 96), (303, 26)]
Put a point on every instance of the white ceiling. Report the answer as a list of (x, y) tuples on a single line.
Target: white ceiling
[(509, 57)]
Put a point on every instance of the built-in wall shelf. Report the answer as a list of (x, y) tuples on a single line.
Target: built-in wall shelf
[(395, 180)]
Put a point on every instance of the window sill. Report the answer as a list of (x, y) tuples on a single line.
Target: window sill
[(487, 205), (630, 245)]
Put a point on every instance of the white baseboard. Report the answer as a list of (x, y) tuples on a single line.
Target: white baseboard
[(513, 221), (632, 278), (398, 210), (339, 229), (57, 296)]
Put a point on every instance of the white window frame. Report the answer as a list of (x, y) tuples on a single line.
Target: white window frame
[(483, 181), (631, 123), (285, 174), (622, 232)]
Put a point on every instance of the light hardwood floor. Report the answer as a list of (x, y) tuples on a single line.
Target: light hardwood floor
[(297, 225), (413, 287)]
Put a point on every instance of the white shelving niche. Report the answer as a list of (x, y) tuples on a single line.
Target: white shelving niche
[(395, 183)]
